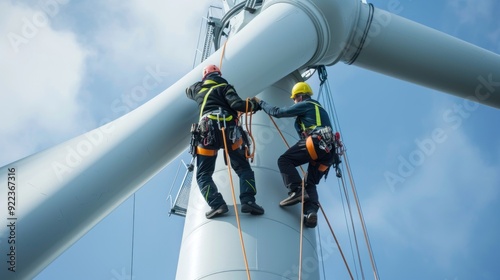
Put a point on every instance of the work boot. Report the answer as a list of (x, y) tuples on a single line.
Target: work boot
[(217, 211), (294, 198), (311, 219), (252, 208)]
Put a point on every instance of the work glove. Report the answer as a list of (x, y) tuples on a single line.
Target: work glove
[(256, 106)]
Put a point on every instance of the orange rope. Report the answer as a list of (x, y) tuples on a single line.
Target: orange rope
[(355, 235), (302, 200), (248, 125), (279, 131), (252, 154), (222, 55), (228, 160), (302, 220), (301, 227), (336, 241), (286, 143), (365, 232)]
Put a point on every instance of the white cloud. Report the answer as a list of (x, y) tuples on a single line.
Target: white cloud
[(41, 75), (131, 41), (435, 212), (44, 68), (478, 17), (468, 11), (154, 33)]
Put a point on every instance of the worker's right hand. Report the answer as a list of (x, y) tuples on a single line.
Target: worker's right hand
[(256, 106)]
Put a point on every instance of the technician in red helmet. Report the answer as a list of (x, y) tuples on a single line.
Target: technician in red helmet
[(218, 106)]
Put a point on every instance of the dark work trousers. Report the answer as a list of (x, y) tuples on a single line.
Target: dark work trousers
[(298, 155), (239, 163)]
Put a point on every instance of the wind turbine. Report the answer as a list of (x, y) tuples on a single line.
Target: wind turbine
[(82, 180)]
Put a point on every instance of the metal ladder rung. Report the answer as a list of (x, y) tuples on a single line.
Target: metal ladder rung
[(181, 201)]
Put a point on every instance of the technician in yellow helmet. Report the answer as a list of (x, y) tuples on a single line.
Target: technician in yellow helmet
[(316, 147)]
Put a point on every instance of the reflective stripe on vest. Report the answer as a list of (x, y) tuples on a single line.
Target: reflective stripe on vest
[(318, 118), (208, 93), (218, 118)]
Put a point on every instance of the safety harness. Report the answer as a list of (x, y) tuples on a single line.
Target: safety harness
[(323, 135), (307, 130), (204, 132)]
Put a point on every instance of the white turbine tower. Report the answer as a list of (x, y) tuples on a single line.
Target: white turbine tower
[(59, 194)]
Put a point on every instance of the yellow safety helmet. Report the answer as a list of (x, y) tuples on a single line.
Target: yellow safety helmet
[(301, 88)]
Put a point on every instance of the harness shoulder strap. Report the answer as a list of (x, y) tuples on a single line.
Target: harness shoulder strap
[(208, 93), (318, 117)]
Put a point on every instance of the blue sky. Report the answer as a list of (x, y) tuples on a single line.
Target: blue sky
[(76, 68)]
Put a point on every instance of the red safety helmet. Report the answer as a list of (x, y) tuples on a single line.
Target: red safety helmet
[(210, 69)]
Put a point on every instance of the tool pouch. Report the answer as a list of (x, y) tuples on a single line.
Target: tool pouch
[(195, 139), (325, 138), (206, 131)]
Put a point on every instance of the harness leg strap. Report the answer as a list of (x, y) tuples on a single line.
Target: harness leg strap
[(310, 148)]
